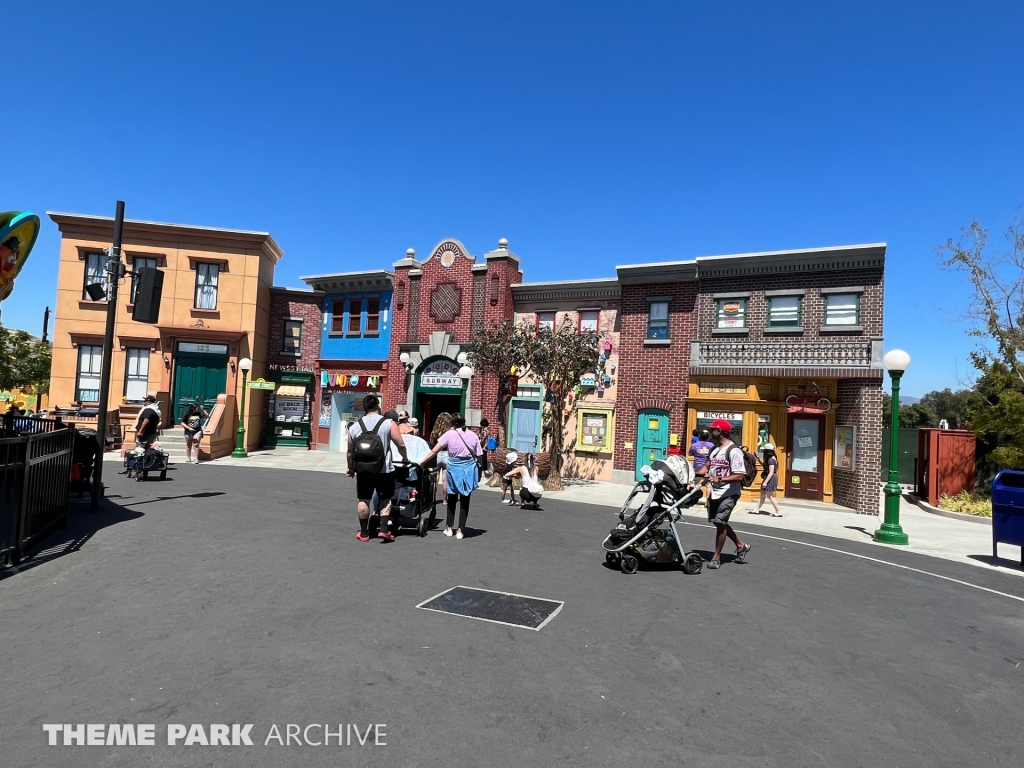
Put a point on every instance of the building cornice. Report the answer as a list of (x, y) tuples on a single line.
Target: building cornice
[(305, 293), (832, 259), (376, 280), (601, 288), (102, 228), (661, 272)]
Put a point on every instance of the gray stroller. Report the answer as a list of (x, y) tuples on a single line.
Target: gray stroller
[(651, 531)]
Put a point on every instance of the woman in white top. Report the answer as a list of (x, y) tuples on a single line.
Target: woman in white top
[(531, 490)]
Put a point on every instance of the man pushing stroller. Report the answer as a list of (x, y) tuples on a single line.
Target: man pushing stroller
[(726, 470)]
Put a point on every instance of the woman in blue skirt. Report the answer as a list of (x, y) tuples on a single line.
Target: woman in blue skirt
[(464, 451)]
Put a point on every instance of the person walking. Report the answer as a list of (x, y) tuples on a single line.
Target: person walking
[(441, 425), (726, 470), (464, 451), (192, 425), (769, 481), (369, 460), (531, 489)]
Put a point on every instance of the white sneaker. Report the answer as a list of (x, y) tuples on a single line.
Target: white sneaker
[(507, 501), (448, 532), (458, 535)]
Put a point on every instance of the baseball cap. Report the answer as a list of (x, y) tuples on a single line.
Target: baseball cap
[(403, 415), (721, 425)]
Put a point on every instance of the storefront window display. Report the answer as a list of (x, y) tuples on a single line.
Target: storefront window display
[(736, 418), (594, 430)]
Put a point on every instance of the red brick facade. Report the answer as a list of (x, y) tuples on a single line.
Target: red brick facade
[(652, 376), (287, 304)]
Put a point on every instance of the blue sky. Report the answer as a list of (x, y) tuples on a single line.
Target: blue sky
[(589, 134)]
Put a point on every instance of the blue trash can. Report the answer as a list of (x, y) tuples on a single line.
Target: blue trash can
[(1008, 511)]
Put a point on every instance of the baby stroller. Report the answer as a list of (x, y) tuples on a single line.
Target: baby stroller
[(84, 455), (642, 535), (139, 462), (414, 505)]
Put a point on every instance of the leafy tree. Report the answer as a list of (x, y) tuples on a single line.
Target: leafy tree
[(911, 416), (997, 312), (954, 407), (24, 361), (498, 350), (557, 359)]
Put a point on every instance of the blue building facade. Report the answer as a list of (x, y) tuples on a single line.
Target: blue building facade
[(355, 341)]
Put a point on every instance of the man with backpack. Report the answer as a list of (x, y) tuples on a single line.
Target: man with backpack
[(728, 469), (369, 459)]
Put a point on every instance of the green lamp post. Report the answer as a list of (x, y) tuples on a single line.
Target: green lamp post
[(896, 362), (245, 365)]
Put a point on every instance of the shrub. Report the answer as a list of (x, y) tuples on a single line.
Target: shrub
[(967, 504)]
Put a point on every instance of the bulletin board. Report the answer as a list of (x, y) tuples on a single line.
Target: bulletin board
[(594, 431), (844, 451)]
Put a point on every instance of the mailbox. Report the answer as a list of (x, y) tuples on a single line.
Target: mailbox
[(1008, 511)]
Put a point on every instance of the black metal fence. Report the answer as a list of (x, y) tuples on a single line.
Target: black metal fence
[(35, 474)]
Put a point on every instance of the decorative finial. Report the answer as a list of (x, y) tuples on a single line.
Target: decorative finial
[(503, 244), (411, 253)]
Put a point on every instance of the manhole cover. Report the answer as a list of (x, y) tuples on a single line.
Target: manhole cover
[(497, 607)]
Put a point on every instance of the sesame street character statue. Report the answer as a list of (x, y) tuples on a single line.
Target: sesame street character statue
[(18, 233)]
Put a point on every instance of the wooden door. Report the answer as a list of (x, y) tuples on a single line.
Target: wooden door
[(198, 378), (525, 426), (651, 439), (805, 462)]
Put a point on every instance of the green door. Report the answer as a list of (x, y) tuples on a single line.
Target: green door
[(200, 374), (651, 438)]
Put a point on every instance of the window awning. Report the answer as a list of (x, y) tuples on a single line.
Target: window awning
[(291, 390)]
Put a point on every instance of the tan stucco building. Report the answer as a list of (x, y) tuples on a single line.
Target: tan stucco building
[(215, 310)]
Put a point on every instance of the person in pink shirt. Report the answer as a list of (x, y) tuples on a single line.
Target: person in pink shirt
[(464, 451)]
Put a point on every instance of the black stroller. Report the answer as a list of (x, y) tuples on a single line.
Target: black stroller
[(85, 453), (139, 465), (415, 503), (643, 534)]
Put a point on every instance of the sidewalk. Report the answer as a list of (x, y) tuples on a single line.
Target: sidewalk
[(963, 542)]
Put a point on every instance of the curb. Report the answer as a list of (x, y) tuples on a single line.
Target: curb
[(946, 513)]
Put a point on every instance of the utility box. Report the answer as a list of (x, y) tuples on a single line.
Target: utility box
[(945, 463), (1008, 511)]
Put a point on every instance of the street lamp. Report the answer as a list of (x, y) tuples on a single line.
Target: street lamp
[(245, 364), (465, 372), (896, 362)]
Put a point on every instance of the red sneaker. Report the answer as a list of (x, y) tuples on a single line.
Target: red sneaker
[(363, 536), (386, 535)]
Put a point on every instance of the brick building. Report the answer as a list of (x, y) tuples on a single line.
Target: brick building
[(437, 304), (293, 346)]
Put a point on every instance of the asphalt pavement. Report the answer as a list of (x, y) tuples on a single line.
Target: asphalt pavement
[(234, 595)]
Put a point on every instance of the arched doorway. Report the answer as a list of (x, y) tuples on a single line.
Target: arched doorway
[(437, 388)]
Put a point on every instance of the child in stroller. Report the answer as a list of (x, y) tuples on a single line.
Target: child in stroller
[(665, 490)]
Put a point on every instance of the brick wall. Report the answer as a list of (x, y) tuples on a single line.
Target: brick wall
[(860, 405), (288, 306), (652, 376), (813, 309)]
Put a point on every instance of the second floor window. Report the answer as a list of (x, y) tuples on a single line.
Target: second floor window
[(140, 263), (291, 343), (207, 276), (95, 270), (337, 317), (90, 367), (373, 316), (732, 313), (546, 320), (842, 309), (355, 317), (588, 320), (136, 375), (657, 320), (784, 312)]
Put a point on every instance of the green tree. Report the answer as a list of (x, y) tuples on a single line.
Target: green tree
[(954, 407), (24, 361), (996, 310), (498, 350), (911, 416), (557, 359)]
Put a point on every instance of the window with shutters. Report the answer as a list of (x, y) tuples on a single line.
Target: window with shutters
[(373, 316), (90, 362), (355, 317), (337, 317)]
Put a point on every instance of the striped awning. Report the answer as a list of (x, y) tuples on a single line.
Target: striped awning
[(291, 390)]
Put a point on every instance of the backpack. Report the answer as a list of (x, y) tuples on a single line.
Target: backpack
[(369, 451), (749, 465)]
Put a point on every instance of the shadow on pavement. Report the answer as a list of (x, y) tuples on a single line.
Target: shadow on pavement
[(998, 562), (82, 525), (203, 495)]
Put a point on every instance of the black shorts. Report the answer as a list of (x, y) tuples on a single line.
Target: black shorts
[(368, 482), (719, 510)]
